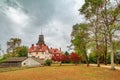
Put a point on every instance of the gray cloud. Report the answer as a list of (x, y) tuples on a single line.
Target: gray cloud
[(24, 19)]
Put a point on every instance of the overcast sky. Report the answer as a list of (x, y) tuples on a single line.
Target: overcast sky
[(24, 18)]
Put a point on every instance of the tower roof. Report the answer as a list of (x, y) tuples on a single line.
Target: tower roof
[(41, 40)]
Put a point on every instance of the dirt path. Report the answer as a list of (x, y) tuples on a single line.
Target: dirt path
[(106, 66)]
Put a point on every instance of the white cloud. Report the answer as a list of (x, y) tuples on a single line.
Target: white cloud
[(57, 34), (14, 13), (17, 16), (56, 18)]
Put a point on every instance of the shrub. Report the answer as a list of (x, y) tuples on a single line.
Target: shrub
[(2, 59), (48, 62), (75, 58)]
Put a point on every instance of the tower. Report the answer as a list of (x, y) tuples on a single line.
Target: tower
[(41, 40)]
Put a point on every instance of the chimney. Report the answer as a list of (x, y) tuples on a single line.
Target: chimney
[(60, 49), (33, 45)]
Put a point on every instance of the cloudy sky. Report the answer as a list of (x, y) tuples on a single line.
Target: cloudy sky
[(25, 18)]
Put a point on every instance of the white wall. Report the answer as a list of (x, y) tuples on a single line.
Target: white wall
[(31, 54), (42, 55), (29, 62)]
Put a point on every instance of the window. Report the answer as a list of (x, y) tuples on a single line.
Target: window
[(37, 53), (29, 53), (24, 63)]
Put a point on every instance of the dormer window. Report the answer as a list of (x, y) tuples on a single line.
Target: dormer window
[(37, 53)]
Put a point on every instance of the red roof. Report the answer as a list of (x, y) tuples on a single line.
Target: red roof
[(38, 48), (54, 51), (43, 48)]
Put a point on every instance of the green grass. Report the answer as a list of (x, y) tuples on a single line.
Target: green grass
[(64, 72)]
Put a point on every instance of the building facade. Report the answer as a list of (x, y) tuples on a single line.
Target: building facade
[(22, 62), (32, 62), (41, 50)]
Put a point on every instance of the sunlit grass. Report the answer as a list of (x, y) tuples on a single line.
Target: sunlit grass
[(64, 72)]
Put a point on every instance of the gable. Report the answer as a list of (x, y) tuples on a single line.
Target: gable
[(29, 62)]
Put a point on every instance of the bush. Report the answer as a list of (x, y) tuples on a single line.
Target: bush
[(93, 57), (48, 62), (2, 59), (75, 58)]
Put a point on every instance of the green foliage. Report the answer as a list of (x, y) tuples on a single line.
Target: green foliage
[(48, 62), (117, 57), (80, 39), (116, 45), (21, 51), (93, 57), (12, 44), (3, 59), (66, 53), (90, 7), (103, 17), (109, 58)]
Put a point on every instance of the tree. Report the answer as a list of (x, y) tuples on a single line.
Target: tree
[(117, 57), (110, 16), (75, 58), (104, 17), (80, 39), (66, 57), (21, 51), (12, 44), (91, 10), (57, 57), (66, 53), (93, 57)]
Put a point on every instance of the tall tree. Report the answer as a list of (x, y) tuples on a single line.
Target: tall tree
[(105, 13), (91, 10), (80, 39), (110, 16), (21, 51), (12, 44)]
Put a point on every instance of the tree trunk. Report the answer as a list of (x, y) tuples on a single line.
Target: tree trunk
[(112, 54), (87, 61), (97, 51), (107, 28), (112, 60), (86, 57), (96, 39), (61, 63), (98, 54), (105, 51), (105, 58), (98, 61)]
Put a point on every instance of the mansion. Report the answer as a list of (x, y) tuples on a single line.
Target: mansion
[(41, 50)]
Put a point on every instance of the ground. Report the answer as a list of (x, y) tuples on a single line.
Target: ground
[(64, 72)]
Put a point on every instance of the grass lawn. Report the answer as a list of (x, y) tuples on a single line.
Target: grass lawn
[(11, 69), (64, 72)]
